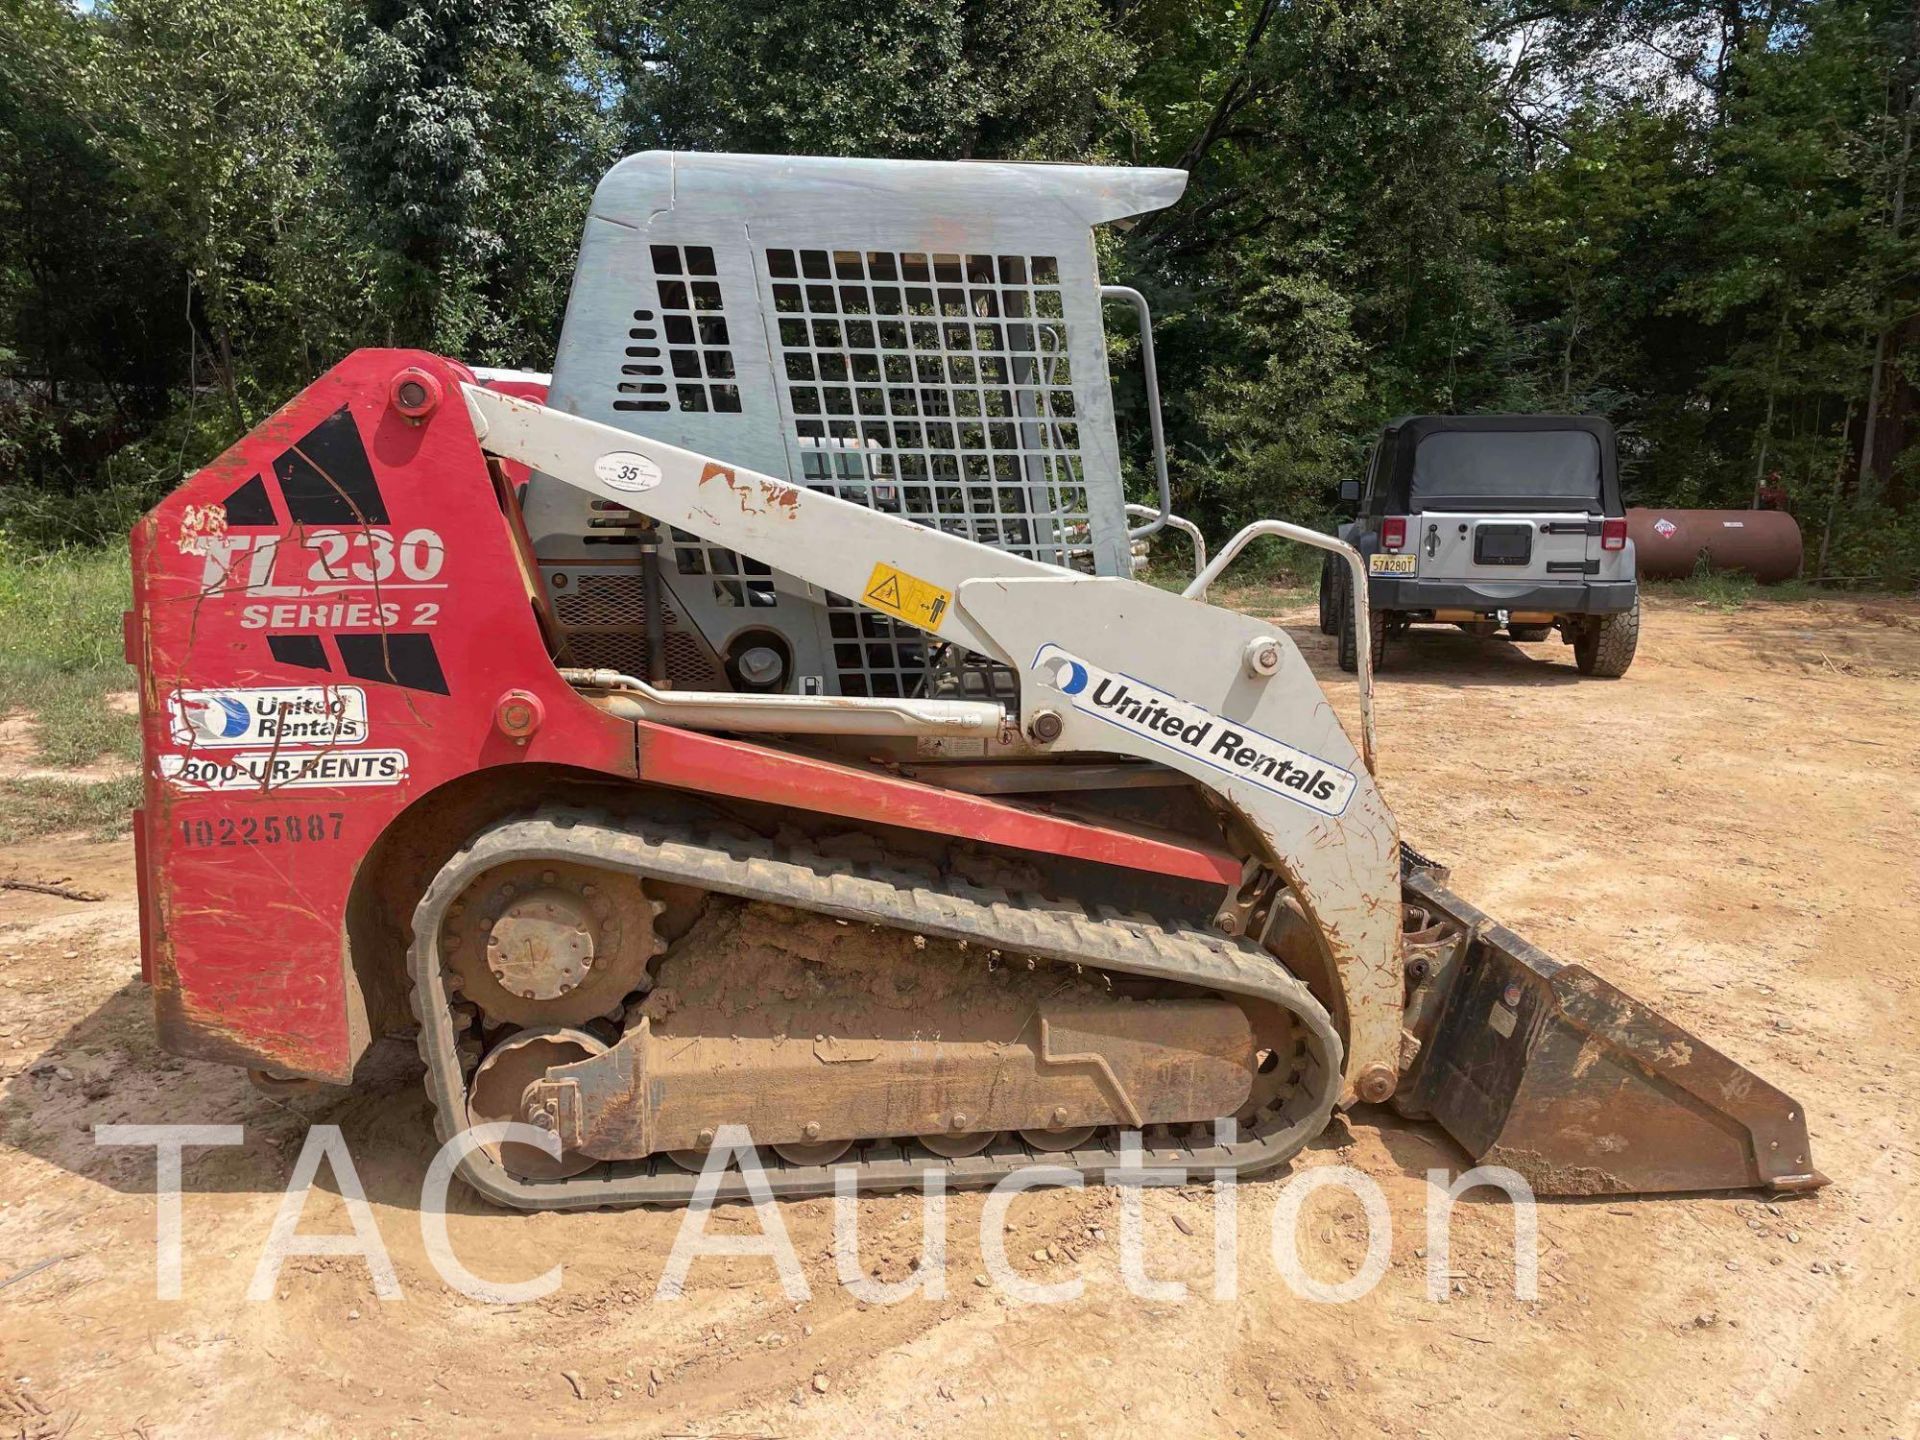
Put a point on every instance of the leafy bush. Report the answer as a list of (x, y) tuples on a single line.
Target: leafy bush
[(1874, 545), (34, 521)]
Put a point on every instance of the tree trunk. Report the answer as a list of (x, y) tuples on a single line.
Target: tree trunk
[(1867, 490), (1733, 36), (1833, 496), (233, 389), (1566, 359), (1766, 430)]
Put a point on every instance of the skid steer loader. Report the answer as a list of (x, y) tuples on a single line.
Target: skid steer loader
[(757, 723)]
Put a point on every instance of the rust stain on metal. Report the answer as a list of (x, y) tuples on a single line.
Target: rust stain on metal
[(202, 528), (761, 496), (938, 1050), (782, 499)]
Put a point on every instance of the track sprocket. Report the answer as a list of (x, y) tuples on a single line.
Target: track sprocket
[(550, 942)]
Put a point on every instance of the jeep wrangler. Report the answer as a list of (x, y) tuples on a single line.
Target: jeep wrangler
[(1493, 523)]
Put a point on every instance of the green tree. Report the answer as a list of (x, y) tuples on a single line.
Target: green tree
[(469, 130), (1692, 216), (1786, 272), (211, 116), (88, 344), (1325, 266), (926, 79), (1577, 237)]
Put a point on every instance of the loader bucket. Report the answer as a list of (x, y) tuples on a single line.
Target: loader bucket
[(1547, 1069)]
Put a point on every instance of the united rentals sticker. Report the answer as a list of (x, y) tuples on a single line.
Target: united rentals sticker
[(269, 770), (279, 715), (1227, 746)]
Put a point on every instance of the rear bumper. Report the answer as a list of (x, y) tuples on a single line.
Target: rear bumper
[(1561, 597)]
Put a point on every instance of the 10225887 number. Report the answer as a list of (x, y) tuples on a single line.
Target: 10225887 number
[(293, 828)]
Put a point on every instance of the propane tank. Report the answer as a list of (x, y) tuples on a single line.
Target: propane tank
[(1668, 544)]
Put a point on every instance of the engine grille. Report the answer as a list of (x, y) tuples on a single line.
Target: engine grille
[(605, 618)]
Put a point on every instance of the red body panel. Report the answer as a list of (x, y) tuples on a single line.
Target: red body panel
[(327, 620), (321, 556), (716, 766)]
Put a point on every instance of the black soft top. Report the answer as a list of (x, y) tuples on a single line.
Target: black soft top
[(1392, 474)]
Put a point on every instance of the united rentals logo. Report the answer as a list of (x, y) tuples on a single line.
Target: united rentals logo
[(1227, 746), (281, 715)]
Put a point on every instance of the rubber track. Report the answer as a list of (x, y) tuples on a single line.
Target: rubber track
[(757, 869)]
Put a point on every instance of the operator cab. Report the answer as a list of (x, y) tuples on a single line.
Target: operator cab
[(1497, 524)]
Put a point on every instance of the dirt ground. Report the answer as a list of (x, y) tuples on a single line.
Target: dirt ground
[(1728, 833)]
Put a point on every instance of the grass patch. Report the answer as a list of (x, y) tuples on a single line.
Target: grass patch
[(1264, 601), (31, 808), (60, 652), (1165, 577), (60, 658), (1724, 592), (1250, 595), (1728, 591)]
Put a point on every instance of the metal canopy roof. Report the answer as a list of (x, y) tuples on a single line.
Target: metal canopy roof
[(971, 192)]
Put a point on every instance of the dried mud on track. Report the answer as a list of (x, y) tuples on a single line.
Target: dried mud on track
[(1728, 833)]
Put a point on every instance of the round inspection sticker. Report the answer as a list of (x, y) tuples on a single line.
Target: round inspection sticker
[(624, 470)]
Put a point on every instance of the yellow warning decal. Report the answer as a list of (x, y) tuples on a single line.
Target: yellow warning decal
[(906, 597)]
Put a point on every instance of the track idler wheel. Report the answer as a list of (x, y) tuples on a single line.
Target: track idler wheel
[(498, 1092)]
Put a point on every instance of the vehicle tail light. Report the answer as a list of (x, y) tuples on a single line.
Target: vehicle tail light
[(1393, 532), (1613, 534)]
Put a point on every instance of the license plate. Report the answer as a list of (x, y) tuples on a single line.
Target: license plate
[(1391, 564)]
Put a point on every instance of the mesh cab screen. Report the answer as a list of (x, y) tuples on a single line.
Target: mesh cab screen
[(924, 338), (696, 371), (947, 378), (937, 388)]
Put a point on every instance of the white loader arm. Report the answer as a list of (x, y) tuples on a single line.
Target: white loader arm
[(1105, 665)]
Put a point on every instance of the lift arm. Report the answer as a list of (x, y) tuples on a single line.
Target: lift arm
[(1105, 666)]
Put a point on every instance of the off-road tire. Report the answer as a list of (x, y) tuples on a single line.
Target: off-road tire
[(1377, 623), (1329, 600), (1528, 633), (1605, 644)]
